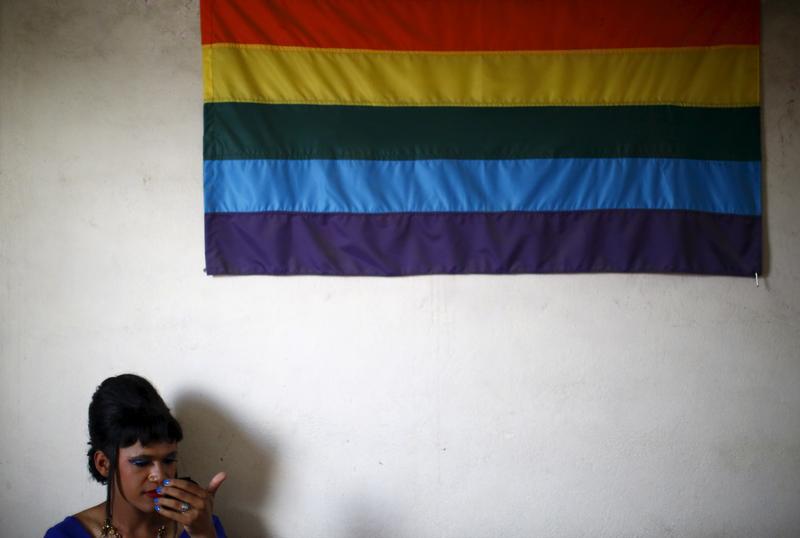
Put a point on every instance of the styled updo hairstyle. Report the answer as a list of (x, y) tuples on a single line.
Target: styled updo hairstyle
[(126, 409)]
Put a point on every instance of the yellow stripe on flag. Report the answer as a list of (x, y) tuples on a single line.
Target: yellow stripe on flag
[(725, 76)]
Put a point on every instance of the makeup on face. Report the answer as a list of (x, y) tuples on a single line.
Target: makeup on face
[(143, 468)]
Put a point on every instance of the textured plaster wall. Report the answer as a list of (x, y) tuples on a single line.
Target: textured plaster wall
[(466, 406)]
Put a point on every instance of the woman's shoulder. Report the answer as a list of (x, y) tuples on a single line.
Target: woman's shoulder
[(72, 527), (218, 528), (75, 526), (69, 528)]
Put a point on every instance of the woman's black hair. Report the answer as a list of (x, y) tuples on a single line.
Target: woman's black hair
[(126, 409)]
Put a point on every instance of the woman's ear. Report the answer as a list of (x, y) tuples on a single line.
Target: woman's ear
[(102, 463)]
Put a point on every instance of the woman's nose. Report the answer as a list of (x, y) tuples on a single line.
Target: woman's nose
[(156, 473)]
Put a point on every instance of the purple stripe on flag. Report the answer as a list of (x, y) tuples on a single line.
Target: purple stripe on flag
[(388, 244)]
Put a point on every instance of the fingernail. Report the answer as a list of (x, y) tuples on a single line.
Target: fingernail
[(159, 489), (166, 482), (155, 500), (158, 508)]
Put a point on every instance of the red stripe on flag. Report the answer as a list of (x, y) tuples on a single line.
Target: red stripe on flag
[(459, 25)]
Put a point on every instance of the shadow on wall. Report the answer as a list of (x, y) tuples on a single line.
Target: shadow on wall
[(368, 519), (213, 442)]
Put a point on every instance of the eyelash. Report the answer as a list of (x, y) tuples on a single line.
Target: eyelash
[(145, 463)]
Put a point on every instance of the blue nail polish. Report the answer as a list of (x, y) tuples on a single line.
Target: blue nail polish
[(166, 482), (158, 508), (155, 500), (159, 489)]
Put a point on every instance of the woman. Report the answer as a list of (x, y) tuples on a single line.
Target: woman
[(133, 440)]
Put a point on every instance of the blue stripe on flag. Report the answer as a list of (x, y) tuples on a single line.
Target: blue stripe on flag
[(368, 186)]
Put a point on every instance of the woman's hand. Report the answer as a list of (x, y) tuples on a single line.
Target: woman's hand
[(196, 519)]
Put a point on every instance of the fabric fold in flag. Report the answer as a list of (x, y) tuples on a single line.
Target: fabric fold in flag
[(341, 136)]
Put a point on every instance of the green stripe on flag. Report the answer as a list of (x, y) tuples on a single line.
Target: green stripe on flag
[(268, 131)]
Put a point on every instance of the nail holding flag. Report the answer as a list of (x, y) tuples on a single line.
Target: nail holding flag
[(401, 137)]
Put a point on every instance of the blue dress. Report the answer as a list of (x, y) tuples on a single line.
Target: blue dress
[(72, 528)]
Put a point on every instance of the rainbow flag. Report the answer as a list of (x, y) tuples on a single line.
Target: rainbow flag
[(400, 137)]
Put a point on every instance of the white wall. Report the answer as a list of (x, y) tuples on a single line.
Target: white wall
[(446, 406)]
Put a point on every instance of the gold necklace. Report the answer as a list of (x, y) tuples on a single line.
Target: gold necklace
[(109, 531)]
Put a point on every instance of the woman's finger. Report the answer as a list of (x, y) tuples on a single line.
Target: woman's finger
[(169, 494), (166, 505), (170, 512), (186, 485), (188, 503), (195, 519), (216, 482)]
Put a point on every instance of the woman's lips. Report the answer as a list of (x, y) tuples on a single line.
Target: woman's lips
[(152, 494)]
